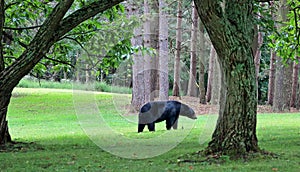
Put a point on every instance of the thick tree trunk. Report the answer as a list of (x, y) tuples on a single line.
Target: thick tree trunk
[(192, 88), (230, 27), (138, 97), (178, 50)]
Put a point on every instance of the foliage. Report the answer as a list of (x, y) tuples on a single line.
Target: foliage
[(61, 145), (287, 40), (97, 86), (24, 18)]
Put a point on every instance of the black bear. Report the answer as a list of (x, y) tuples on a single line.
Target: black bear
[(157, 111)]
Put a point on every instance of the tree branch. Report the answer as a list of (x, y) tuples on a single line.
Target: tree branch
[(39, 46), (85, 13), (59, 61), (22, 28)]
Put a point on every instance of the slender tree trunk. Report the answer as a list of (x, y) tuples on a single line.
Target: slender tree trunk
[(202, 99), (147, 57), (192, 88), (176, 83), (271, 85), (295, 84), (210, 73), (284, 72), (257, 56), (163, 53), (230, 27), (154, 43), (87, 74), (215, 96)]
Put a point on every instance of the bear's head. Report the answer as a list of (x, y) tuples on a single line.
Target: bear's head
[(185, 110)]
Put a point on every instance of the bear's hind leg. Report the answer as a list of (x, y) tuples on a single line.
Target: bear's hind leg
[(141, 128), (151, 126), (175, 125)]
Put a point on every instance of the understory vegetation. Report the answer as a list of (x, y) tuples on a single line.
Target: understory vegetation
[(67, 84), (50, 138)]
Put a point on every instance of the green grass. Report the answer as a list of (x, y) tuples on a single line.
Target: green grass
[(46, 119)]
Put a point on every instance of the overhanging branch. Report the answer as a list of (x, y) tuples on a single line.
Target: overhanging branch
[(22, 28)]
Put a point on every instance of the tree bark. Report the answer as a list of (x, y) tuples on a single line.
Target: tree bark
[(216, 88), (210, 73), (230, 27), (258, 55), (271, 84), (192, 88), (178, 50), (138, 96), (284, 72), (163, 53), (52, 30), (295, 84), (202, 99)]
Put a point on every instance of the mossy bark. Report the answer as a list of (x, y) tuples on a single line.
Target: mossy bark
[(230, 27)]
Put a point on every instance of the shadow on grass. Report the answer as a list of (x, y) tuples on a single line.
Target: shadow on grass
[(20, 147)]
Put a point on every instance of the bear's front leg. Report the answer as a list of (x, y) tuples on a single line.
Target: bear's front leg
[(151, 126), (169, 124), (141, 128)]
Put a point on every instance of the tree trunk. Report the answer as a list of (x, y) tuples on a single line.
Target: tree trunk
[(210, 73), (163, 53), (215, 96), (202, 99), (5, 96), (147, 57), (192, 88), (284, 72), (257, 56), (177, 54), (295, 84), (271, 84), (138, 98), (232, 34)]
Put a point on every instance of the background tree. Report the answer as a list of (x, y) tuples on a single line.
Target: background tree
[(284, 71), (202, 65), (192, 87), (176, 82), (211, 70), (163, 52)]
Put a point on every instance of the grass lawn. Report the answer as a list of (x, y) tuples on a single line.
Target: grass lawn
[(64, 131)]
